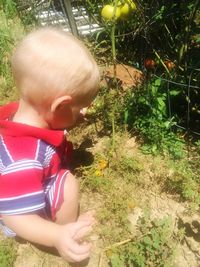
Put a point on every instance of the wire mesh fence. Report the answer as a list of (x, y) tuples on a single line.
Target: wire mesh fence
[(187, 108), (70, 15)]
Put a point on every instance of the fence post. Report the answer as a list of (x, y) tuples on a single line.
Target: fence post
[(72, 22)]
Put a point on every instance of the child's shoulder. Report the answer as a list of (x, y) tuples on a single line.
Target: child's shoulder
[(31, 148)]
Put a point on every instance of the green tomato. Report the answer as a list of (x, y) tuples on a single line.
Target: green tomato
[(125, 10), (109, 12)]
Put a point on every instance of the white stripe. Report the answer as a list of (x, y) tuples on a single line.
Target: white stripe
[(37, 149), (1, 165), (20, 169), (61, 180), (48, 155), (24, 210), (22, 196), (22, 165), (24, 162), (51, 193), (7, 150)]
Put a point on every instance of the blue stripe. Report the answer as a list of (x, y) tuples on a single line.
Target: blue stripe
[(22, 202), (41, 152), (3, 154)]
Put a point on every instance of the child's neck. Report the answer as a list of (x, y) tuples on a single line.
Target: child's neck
[(28, 115)]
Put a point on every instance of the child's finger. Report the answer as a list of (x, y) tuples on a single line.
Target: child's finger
[(80, 249), (83, 226), (72, 257), (81, 233), (88, 216)]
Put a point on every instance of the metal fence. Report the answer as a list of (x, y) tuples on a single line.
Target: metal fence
[(70, 15), (190, 111)]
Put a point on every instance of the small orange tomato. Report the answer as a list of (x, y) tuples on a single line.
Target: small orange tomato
[(97, 173), (102, 164), (149, 63), (170, 65)]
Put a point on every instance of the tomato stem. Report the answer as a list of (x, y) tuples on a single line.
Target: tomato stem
[(113, 48), (161, 61)]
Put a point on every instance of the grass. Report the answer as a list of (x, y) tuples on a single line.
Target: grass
[(125, 182), (8, 252), (11, 30)]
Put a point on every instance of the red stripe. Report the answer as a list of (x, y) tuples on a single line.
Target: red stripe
[(58, 193)]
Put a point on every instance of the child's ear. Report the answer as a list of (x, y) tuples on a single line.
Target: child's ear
[(59, 102)]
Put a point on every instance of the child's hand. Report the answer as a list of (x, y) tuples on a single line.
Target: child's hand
[(70, 244)]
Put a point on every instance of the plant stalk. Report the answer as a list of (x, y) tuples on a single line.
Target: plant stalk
[(113, 50)]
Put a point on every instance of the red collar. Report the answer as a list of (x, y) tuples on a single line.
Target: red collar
[(53, 137)]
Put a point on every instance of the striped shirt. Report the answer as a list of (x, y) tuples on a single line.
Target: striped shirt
[(29, 158)]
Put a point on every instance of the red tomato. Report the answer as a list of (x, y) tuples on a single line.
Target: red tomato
[(149, 63), (170, 65)]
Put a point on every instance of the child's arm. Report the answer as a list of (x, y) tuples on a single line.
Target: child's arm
[(65, 238)]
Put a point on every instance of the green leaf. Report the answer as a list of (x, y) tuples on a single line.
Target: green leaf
[(154, 149), (167, 124), (158, 82), (161, 103), (174, 92), (198, 39), (116, 261), (147, 240)]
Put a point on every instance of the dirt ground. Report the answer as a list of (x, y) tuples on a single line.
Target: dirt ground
[(187, 255), (159, 203)]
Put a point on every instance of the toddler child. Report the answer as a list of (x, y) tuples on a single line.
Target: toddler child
[(56, 77)]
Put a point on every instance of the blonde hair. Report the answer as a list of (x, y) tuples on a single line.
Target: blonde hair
[(50, 63)]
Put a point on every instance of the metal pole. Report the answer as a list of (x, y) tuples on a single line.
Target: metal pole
[(72, 22)]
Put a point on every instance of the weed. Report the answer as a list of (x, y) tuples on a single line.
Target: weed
[(147, 113), (8, 252), (10, 31), (96, 177), (183, 181), (9, 8), (95, 180), (113, 215), (129, 168), (154, 247)]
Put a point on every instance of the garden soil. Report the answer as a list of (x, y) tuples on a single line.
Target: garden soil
[(160, 204), (187, 254)]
